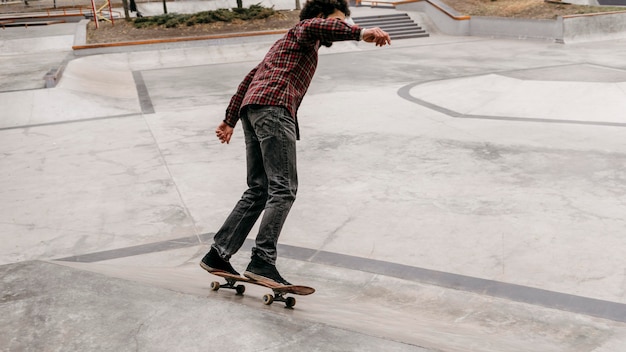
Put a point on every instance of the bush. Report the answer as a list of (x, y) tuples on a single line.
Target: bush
[(220, 15), (224, 15), (161, 20), (200, 17), (142, 22), (254, 12), (172, 23)]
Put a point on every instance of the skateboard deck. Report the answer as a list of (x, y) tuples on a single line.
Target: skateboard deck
[(279, 291)]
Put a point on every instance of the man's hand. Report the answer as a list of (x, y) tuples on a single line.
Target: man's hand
[(224, 132), (376, 35)]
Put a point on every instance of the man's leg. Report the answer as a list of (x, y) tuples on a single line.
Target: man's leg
[(231, 236), (276, 132)]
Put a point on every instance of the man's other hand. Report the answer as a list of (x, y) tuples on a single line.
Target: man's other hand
[(224, 132)]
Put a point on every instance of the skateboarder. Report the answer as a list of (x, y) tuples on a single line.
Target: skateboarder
[(267, 102)]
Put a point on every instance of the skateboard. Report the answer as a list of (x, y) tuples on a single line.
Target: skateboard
[(279, 291)]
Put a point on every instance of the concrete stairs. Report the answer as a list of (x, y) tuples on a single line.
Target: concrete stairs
[(612, 2), (399, 26)]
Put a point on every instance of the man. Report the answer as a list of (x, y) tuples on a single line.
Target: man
[(267, 102)]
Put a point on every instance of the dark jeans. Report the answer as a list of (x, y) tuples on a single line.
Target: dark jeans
[(270, 135)]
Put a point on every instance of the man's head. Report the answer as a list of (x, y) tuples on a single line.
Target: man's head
[(324, 9)]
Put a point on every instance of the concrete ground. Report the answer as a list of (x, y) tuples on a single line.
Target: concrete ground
[(456, 194)]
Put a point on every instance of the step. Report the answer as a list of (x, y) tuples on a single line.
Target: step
[(403, 30), (377, 23), (399, 26), (394, 35), (380, 16), (409, 36)]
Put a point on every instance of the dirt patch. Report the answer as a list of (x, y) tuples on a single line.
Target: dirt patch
[(123, 31), (531, 9)]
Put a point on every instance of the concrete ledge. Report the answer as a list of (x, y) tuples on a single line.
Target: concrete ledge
[(80, 36), (592, 27), (175, 40), (81, 48), (53, 76), (450, 12), (445, 19)]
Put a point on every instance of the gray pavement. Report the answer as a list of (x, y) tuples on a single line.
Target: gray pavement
[(457, 194)]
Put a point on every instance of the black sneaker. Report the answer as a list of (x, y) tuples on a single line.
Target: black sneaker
[(260, 270), (212, 262)]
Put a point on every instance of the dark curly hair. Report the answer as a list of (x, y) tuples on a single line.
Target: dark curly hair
[(312, 8)]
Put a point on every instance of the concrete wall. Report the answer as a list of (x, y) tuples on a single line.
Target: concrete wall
[(514, 28), (594, 27), (561, 30)]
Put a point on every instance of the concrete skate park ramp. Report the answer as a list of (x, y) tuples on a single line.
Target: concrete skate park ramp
[(488, 221), (83, 311), (89, 89), (564, 93)]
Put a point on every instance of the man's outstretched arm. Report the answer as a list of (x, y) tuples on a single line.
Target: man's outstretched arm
[(335, 29)]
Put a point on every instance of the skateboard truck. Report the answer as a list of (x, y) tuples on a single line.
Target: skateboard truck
[(279, 297), (268, 299), (230, 284)]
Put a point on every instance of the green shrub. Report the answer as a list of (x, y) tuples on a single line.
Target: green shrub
[(255, 12), (201, 17), (224, 15), (142, 22), (220, 15), (172, 23), (161, 20)]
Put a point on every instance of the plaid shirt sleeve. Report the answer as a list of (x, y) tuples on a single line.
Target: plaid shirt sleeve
[(232, 111), (326, 30)]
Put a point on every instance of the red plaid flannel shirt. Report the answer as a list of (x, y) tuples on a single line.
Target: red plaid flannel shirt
[(284, 75)]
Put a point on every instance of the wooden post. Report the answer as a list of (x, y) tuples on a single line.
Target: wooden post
[(93, 11)]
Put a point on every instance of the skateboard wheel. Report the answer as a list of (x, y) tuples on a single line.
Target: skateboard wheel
[(215, 285), (290, 302), (268, 299), (240, 289)]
